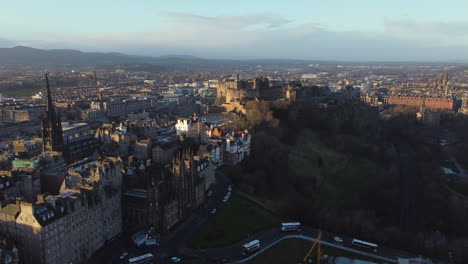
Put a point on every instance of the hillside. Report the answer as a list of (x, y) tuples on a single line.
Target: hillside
[(21, 55)]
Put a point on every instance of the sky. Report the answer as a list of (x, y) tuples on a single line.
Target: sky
[(358, 30)]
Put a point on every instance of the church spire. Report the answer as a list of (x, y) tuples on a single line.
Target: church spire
[(52, 133), (49, 105)]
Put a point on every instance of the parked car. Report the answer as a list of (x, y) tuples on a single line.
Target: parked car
[(123, 255), (175, 260), (338, 239)]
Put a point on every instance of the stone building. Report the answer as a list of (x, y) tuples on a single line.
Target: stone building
[(194, 127), (79, 142), (170, 193), (141, 149), (8, 251), (22, 114), (206, 171), (118, 109), (237, 147), (10, 186), (235, 89), (71, 226), (163, 153), (431, 103), (27, 148), (214, 151), (464, 107), (116, 139)]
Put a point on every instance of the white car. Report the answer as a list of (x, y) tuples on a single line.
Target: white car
[(175, 260), (123, 255), (338, 239)]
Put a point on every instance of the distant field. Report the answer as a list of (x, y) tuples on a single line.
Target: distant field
[(20, 92), (234, 223), (293, 251)]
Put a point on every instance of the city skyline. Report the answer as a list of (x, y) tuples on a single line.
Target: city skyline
[(358, 31)]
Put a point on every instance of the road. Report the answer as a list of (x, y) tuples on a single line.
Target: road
[(270, 236), (176, 244)]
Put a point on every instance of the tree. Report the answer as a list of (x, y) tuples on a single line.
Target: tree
[(259, 112)]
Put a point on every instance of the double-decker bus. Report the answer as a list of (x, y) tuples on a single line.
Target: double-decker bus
[(364, 244), (146, 258), (295, 226), (250, 247)]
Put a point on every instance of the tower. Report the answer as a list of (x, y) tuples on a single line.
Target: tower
[(52, 134)]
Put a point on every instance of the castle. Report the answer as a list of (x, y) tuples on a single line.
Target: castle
[(235, 89)]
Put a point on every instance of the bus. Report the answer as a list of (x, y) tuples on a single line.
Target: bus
[(146, 258), (251, 247), (295, 226), (364, 244)]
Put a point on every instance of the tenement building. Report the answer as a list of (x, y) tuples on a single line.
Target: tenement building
[(171, 192), (71, 226)]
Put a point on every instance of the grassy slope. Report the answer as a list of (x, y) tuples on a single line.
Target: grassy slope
[(342, 176), (234, 223)]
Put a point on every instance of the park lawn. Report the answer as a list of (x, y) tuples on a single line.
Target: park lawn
[(233, 223), (293, 251)]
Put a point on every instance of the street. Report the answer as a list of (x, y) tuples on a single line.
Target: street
[(176, 243)]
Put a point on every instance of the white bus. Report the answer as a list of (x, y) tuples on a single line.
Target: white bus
[(147, 258), (251, 247), (365, 244), (295, 226)]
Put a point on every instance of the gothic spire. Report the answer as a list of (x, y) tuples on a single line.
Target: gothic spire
[(52, 133), (49, 105)]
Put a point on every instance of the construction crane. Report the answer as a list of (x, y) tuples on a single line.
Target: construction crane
[(319, 249)]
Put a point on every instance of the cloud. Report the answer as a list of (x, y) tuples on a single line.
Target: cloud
[(268, 35), (269, 20), (448, 33)]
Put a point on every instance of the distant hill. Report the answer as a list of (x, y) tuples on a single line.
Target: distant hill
[(21, 55), (56, 58)]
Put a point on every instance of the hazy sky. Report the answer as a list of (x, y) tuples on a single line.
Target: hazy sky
[(334, 29)]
